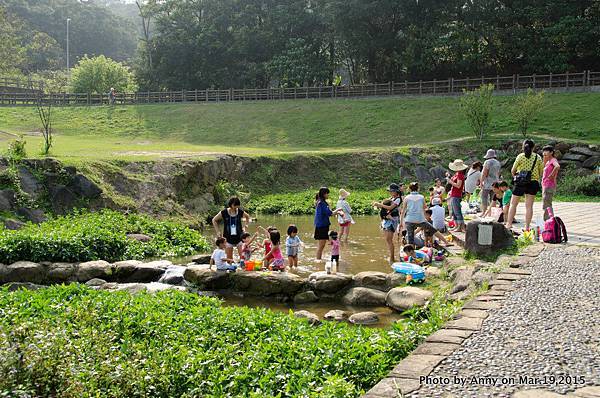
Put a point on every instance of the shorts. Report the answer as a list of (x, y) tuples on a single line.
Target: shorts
[(390, 225), (335, 257), (322, 233), (346, 224), (278, 265), (531, 188), (238, 244)]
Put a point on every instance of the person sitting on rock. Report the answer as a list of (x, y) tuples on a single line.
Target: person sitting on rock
[(219, 257)]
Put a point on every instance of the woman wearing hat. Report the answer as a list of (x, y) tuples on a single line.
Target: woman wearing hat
[(458, 186), (395, 191), (344, 220)]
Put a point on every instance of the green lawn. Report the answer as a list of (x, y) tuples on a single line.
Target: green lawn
[(286, 126)]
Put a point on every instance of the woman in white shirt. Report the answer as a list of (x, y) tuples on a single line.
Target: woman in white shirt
[(472, 179)]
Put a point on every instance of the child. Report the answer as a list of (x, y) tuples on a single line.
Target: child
[(267, 242), (437, 215), (277, 263), (438, 191), (506, 197), (335, 246), (413, 256), (219, 257), (428, 236), (247, 248), (346, 220), (292, 245)]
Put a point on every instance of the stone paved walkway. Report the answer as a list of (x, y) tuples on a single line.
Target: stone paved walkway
[(542, 341)]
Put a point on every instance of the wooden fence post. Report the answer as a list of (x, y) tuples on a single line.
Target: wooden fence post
[(518, 82), (567, 79), (467, 85), (451, 85), (533, 81), (420, 87), (390, 88), (433, 86), (550, 83)]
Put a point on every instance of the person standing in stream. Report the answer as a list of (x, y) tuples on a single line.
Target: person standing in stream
[(322, 223), (232, 225), (393, 210)]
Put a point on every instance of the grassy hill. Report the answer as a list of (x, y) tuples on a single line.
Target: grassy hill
[(286, 126)]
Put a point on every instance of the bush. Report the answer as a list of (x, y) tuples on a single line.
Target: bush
[(16, 150), (71, 341), (477, 107), (526, 107), (98, 236), (99, 74), (570, 184)]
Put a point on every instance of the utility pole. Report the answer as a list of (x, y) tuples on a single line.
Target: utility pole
[(68, 64)]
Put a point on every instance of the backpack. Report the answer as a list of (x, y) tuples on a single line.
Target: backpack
[(554, 229)]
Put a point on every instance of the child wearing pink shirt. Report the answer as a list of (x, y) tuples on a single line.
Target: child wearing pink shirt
[(551, 168), (335, 246)]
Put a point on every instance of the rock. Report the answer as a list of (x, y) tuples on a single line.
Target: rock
[(584, 151), (364, 318), (14, 286), (422, 174), (23, 271), (574, 157), (461, 278), (403, 298), (94, 269), (502, 238), (36, 216), (267, 283), (148, 272), (7, 199), (62, 198), (62, 272), (305, 297), (51, 178), (207, 279), (95, 282), (570, 164), (29, 183), (71, 170), (336, 315), (13, 225), (309, 316), (591, 162), (433, 272), (124, 269), (395, 279), (159, 287), (140, 237), (201, 259), (438, 172), (43, 164), (83, 186), (482, 277), (463, 294), (372, 280), (173, 275), (563, 147), (400, 160), (328, 283), (362, 296)]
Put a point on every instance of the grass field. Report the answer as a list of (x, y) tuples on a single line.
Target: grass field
[(285, 126)]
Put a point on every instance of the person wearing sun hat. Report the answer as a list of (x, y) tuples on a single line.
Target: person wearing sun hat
[(489, 175), (458, 186), (344, 220)]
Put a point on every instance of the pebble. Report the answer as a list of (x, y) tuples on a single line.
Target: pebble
[(548, 327)]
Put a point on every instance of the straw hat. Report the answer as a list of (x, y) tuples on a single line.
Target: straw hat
[(344, 194), (490, 154), (458, 165)]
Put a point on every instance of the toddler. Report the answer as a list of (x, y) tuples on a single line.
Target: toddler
[(277, 263), (335, 246), (219, 257), (292, 245), (247, 249), (267, 242)]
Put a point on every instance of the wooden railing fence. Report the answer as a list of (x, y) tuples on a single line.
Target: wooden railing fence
[(565, 81)]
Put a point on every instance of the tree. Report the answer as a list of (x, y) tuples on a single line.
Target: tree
[(55, 83), (477, 107), (526, 107), (302, 63), (99, 75), (11, 53)]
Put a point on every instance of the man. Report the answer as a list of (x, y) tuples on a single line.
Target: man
[(489, 175)]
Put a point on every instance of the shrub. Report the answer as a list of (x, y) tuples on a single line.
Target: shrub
[(71, 341), (477, 107), (100, 74), (16, 150), (526, 107), (572, 184), (98, 236)]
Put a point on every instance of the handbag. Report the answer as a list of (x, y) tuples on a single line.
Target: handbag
[(523, 178)]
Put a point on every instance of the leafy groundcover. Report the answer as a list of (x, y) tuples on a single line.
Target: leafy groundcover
[(85, 236), (71, 341)]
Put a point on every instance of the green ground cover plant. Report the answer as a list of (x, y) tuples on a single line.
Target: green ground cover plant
[(71, 341), (85, 236)]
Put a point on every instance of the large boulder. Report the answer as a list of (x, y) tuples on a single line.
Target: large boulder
[(305, 297), (140, 237), (438, 172), (482, 277), (62, 272), (364, 318), (94, 269), (23, 271), (207, 279), (124, 269), (404, 298), (173, 275), (36, 216), (309, 316), (574, 157), (461, 278), (592, 162), (148, 272), (62, 198), (13, 225), (395, 279), (336, 315), (582, 150), (422, 174), (201, 259), (502, 238), (82, 186), (328, 283), (29, 182), (7, 199), (372, 280), (267, 283), (362, 296)]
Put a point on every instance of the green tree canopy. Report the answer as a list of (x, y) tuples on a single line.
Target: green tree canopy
[(99, 75)]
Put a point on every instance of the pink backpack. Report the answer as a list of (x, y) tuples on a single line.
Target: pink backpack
[(554, 229)]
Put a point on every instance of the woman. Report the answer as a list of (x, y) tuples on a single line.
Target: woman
[(472, 180), (527, 172), (346, 220), (551, 169), (395, 191), (458, 185), (322, 223), (232, 225)]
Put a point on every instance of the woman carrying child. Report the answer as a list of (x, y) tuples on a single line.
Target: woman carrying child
[(322, 223), (346, 220), (392, 218), (232, 225), (458, 185)]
